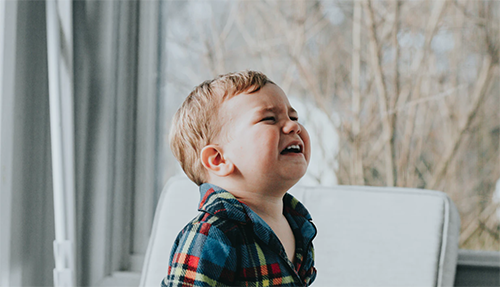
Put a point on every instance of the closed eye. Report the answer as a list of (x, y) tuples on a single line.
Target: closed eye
[(268, 119)]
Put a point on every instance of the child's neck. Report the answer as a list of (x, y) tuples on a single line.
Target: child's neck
[(268, 207), (265, 199)]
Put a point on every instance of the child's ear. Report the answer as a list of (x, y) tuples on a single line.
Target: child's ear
[(213, 159)]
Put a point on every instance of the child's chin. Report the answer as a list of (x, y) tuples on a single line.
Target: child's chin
[(296, 175)]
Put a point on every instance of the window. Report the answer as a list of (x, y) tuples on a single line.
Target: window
[(407, 101)]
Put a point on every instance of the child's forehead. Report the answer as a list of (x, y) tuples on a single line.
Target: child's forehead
[(270, 98), (259, 104)]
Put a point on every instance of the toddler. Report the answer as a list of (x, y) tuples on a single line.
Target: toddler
[(238, 138)]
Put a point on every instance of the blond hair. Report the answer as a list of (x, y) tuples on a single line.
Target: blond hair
[(196, 124)]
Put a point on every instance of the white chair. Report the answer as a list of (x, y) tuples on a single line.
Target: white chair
[(367, 236)]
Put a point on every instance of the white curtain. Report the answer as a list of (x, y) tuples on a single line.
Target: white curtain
[(117, 74), (27, 207)]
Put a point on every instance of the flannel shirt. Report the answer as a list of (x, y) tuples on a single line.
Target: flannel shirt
[(228, 244)]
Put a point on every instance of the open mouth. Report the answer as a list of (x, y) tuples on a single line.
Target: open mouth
[(294, 148)]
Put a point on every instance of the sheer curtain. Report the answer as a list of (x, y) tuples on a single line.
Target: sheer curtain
[(116, 79), (116, 98), (27, 212)]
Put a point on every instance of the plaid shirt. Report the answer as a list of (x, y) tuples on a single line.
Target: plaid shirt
[(230, 245)]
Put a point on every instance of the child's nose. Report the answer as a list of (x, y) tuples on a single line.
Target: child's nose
[(291, 127)]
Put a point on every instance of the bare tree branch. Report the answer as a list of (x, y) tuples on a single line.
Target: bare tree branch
[(357, 161), (482, 84), (382, 92)]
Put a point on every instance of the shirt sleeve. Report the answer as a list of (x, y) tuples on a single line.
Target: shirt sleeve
[(202, 256)]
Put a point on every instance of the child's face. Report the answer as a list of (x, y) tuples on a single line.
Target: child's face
[(263, 138)]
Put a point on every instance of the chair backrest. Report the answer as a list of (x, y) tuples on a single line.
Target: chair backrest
[(367, 236)]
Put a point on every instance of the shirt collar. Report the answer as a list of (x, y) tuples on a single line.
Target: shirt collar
[(217, 201)]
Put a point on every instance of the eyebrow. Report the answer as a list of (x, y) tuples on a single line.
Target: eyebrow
[(276, 110)]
